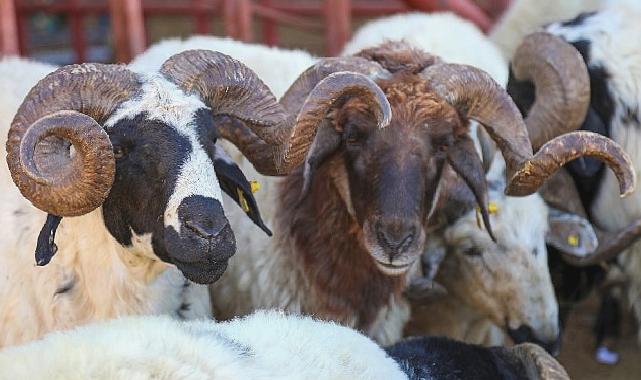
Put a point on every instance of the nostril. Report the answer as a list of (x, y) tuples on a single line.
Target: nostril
[(199, 229), (396, 240)]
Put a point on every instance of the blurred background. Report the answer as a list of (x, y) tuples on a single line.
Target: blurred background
[(72, 31)]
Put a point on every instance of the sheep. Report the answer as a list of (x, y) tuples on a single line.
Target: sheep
[(264, 345), (303, 269), (152, 145), (429, 32), (441, 358), (525, 16), (605, 40), (487, 291)]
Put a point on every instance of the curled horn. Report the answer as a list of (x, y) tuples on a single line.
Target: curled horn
[(475, 95), (306, 134), (562, 86), (66, 109), (538, 363), (228, 87)]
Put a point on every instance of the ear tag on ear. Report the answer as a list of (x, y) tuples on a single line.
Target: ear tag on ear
[(573, 240), (242, 201), (255, 186), (492, 209)]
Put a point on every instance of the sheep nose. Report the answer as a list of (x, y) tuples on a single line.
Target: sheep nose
[(204, 217), (204, 228), (397, 237)]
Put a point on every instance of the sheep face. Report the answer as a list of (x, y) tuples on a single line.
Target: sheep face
[(167, 194), (392, 173), (507, 281)]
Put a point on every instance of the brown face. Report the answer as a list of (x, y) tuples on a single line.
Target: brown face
[(393, 173)]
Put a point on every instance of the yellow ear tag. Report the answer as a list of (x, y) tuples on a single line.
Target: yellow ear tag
[(573, 240), (255, 186), (492, 208), (242, 201)]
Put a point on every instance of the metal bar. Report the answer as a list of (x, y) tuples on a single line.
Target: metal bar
[(201, 18), (270, 30), (135, 23), (23, 34), (128, 28), (78, 41), (464, 8), (118, 31), (8, 28), (287, 18), (338, 25), (237, 16)]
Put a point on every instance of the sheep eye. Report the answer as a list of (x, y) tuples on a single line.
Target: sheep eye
[(119, 151), (472, 251)]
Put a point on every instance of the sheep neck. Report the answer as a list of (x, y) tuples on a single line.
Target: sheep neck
[(326, 246)]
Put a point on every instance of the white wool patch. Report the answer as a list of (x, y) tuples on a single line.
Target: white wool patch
[(433, 33), (265, 345), (163, 101)]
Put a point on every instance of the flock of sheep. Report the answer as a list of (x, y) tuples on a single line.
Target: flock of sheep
[(323, 210)]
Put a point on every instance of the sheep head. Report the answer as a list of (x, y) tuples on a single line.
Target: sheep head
[(507, 280)]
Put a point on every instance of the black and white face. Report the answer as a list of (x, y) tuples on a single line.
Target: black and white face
[(166, 198)]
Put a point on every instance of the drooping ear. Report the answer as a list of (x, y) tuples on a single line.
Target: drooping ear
[(571, 233), (463, 158), (326, 141), (46, 247), (234, 183)]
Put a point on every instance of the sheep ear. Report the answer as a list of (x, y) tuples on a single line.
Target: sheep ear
[(234, 183), (46, 247), (326, 141), (571, 233)]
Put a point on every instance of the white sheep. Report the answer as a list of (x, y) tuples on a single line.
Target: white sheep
[(264, 345), (499, 287), (525, 16)]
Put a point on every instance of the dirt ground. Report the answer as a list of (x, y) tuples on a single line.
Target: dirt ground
[(577, 354)]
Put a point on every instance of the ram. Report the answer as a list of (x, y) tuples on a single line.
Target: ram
[(264, 345), (477, 299), (126, 165), (612, 110)]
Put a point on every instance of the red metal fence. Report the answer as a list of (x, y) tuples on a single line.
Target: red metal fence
[(332, 18)]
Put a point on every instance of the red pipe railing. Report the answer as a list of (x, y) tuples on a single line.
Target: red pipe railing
[(8, 28), (128, 29)]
